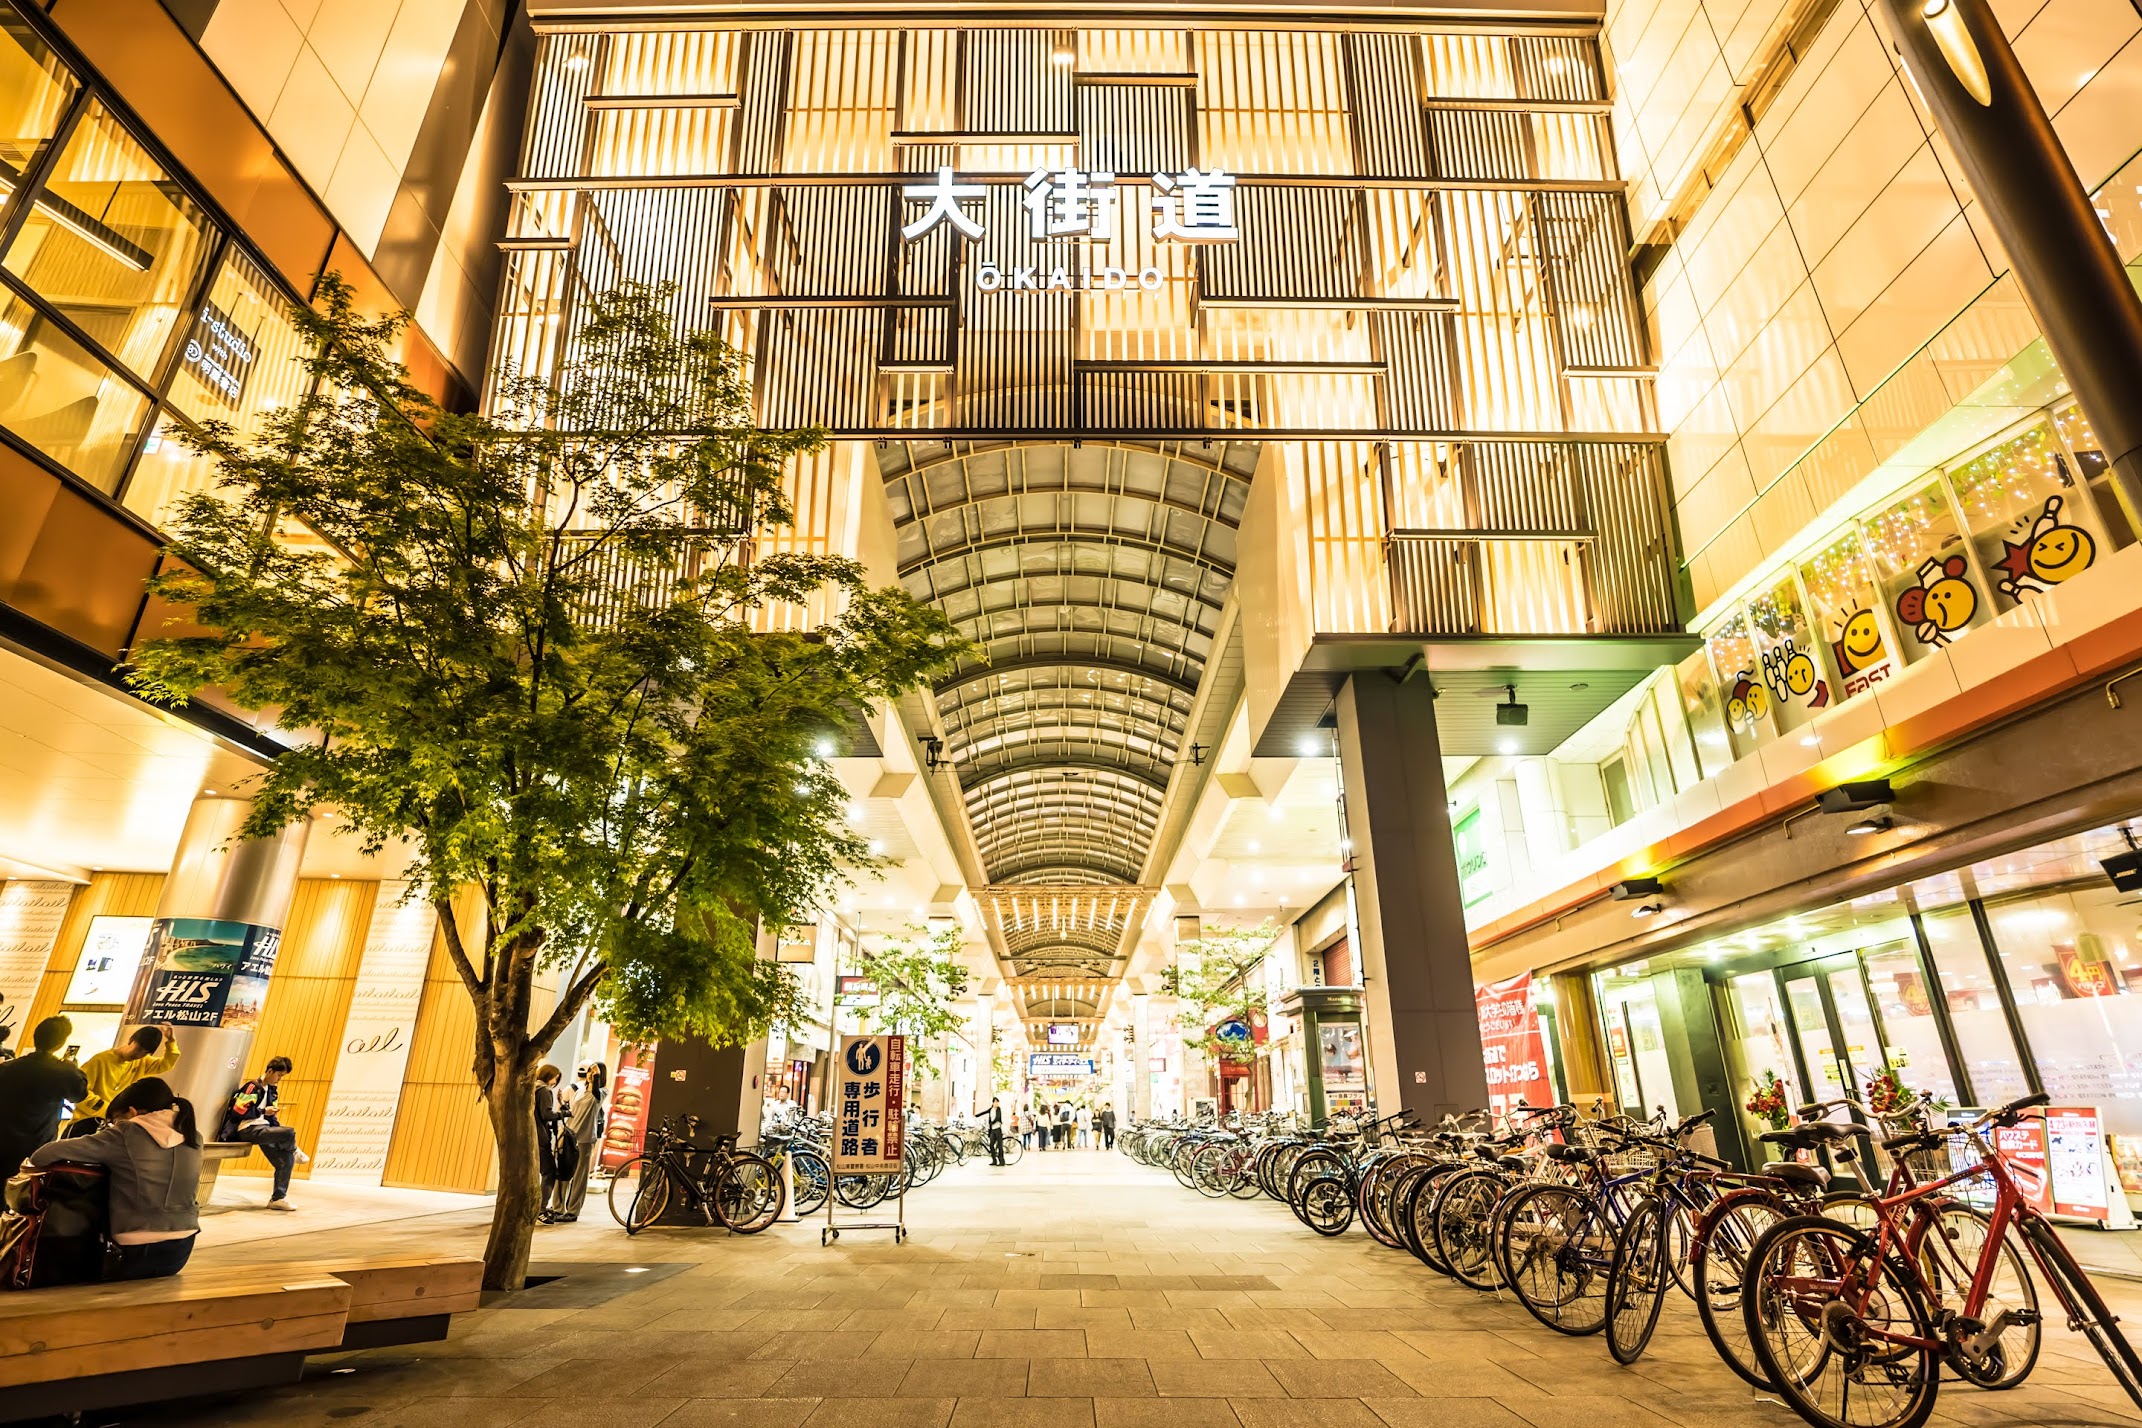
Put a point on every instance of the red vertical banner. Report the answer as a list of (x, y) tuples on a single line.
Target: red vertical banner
[(630, 1086), (1512, 1046)]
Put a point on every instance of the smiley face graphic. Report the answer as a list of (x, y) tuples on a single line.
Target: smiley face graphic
[(1748, 702), (1800, 674), (1942, 603), (2053, 552), (1859, 643)]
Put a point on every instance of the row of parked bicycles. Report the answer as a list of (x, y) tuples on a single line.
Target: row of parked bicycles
[(1846, 1303), (719, 1181)]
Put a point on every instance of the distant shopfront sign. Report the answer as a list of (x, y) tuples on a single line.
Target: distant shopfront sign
[(1061, 1063), (870, 1109)]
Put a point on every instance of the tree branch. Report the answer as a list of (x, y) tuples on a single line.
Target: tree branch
[(444, 906), (569, 1004)]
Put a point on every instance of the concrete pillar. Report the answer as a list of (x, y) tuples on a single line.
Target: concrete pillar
[(1423, 1027), (212, 947), (2063, 259)]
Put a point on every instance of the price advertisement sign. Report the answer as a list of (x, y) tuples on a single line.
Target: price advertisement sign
[(870, 1109), (2075, 1151), (2023, 1146), (1512, 1045)]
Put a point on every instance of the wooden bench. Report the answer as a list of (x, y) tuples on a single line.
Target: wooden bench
[(207, 1331), (213, 1155)]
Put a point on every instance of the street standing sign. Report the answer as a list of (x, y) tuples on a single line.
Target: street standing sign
[(870, 1113)]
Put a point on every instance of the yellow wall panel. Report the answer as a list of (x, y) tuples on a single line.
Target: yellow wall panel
[(442, 1134), (308, 1004)]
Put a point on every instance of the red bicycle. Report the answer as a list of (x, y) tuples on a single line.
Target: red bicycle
[(1852, 1323)]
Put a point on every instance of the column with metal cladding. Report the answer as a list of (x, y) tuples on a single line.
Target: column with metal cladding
[(2063, 259), (1417, 972), (212, 947)]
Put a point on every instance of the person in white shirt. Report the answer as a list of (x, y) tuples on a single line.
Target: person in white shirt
[(1085, 1127)]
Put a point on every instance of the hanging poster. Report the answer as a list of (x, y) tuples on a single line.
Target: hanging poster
[(626, 1126), (367, 1089), (110, 962), (204, 972), (869, 1122), (30, 917), (1344, 1065), (1513, 1046)]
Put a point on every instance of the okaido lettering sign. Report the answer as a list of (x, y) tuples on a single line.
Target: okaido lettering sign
[(1085, 205)]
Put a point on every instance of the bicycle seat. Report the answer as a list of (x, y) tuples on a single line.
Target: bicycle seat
[(1814, 1135), (1571, 1154), (1792, 1172), (1906, 1144), (1511, 1162)]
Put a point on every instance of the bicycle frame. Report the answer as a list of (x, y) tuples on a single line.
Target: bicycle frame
[(2010, 1210)]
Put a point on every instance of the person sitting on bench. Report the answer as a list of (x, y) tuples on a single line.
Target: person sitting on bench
[(254, 1117), (152, 1149)]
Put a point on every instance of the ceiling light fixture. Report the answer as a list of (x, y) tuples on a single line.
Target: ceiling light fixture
[(1878, 823)]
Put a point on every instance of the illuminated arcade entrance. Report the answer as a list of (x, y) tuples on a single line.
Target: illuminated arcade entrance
[(1191, 370)]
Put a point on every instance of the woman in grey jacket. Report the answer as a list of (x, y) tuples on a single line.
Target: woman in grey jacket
[(152, 1149)]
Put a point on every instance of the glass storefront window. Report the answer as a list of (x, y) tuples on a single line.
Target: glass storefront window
[(166, 470), (2031, 524), (34, 91), (1989, 1052), (1910, 1035), (1845, 611), (2076, 974), (1794, 669), (1706, 714), (1680, 748), (62, 399), (1740, 683), (242, 360), (1762, 1038), (112, 244), (2089, 456), (1918, 551)]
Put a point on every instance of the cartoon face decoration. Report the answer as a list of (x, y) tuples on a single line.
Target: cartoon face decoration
[(2053, 552), (1747, 702), (1941, 605), (1859, 642), (1791, 674)]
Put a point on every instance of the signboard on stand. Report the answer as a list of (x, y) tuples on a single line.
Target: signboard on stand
[(2075, 1153), (630, 1086), (1512, 1045), (870, 1107)]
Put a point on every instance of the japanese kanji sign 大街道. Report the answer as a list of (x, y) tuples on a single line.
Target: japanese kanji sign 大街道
[(869, 1105), (1191, 206)]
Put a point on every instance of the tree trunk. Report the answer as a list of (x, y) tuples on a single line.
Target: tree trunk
[(511, 1101)]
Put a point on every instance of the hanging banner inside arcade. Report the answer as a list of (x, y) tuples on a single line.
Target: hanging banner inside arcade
[(204, 972), (1512, 1045)]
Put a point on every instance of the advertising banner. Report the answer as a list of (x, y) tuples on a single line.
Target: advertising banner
[(1058, 1063), (105, 973), (361, 1102), (870, 1111), (1512, 1045), (204, 972), (630, 1085), (30, 916)]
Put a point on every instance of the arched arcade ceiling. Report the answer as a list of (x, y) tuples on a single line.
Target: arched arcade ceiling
[(1090, 578)]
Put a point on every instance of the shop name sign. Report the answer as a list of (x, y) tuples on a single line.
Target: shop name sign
[(1058, 1063), (219, 354), (1192, 206)]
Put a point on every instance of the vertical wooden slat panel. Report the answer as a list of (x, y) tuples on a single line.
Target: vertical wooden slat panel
[(442, 1134)]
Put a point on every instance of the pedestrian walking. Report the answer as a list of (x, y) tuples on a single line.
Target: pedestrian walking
[(993, 1122)]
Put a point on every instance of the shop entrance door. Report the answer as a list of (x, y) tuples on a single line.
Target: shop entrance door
[(1837, 1036)]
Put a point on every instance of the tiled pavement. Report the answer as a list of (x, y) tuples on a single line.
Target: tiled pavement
[(1074, 1290)]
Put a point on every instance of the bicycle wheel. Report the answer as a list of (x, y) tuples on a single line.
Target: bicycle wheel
[(747, 1193), (1719, 1261), (1208, 1169), (1013, 1149), (1418, 1212), (1327, 1205), (813, 1180), (1636, 1283), (1950, 1250), (2085, 1306), (1844, 1342), (1557, 1247), (625, 1185), (1461, 1221), (651, 1201)]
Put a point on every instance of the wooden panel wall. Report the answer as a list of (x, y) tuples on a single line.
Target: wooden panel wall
[(309, 1002), (108, 895), (442, 1135)]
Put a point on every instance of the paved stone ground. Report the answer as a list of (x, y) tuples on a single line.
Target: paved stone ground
[(1074, 1290)]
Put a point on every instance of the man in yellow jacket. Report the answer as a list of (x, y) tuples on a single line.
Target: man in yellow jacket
[(150, 1051)]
